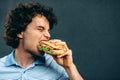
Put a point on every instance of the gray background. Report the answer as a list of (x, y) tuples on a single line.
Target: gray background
[(90, 27)]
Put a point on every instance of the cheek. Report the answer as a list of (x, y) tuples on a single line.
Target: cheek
[(32, 38), (40, 36), (29, 40)]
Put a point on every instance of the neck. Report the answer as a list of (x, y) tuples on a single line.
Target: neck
[(23, 58)]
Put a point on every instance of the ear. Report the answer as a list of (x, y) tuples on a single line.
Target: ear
[(20, 35)]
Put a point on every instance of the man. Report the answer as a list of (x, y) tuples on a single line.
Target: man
[(26, 26)]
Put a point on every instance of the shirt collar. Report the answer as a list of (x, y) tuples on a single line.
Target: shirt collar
[(40, 61), (11, 61)]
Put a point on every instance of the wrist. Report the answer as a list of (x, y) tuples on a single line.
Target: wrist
[(72, 66)]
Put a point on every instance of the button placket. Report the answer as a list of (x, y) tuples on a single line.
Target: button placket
[(22, 73)]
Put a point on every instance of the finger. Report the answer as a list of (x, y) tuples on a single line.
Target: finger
[(69, 52)]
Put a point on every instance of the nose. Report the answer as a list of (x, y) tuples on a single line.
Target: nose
[(47, 35)]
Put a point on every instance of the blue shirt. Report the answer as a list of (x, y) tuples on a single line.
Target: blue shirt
[(45, 68)]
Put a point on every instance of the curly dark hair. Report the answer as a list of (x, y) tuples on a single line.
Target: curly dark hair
[(21, 16)]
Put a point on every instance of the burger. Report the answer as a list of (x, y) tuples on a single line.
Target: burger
[(52, 48)]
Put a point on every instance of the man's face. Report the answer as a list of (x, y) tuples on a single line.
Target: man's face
[(36, 31)]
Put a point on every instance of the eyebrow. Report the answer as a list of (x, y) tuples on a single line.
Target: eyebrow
[(43, 27), (40, 26)]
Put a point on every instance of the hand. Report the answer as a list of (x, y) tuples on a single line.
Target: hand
[(65, 59)]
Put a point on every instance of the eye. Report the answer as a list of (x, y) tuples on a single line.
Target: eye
[(40, 28)]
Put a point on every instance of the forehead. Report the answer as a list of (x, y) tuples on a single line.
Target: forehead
[(40, 19)]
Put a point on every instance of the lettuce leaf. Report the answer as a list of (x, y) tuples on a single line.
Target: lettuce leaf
[(45, 49)]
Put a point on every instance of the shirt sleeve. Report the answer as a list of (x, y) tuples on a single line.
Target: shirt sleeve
[(63, 77), (62, 74)]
